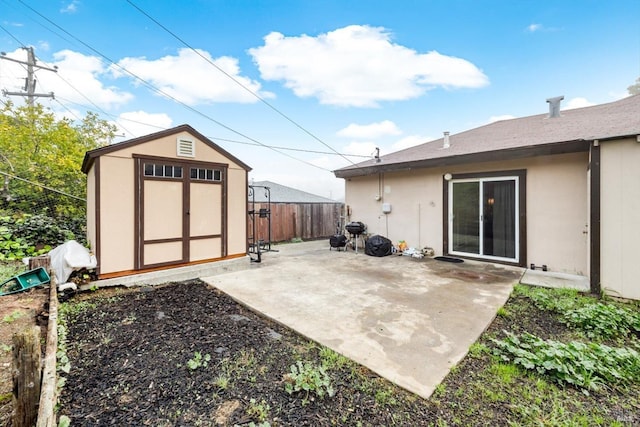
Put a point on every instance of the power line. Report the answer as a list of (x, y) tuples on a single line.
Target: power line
[(157, 90), (240, 83), (214, 138), (41, 186)]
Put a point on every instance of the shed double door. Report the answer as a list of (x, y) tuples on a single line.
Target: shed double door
[(180, 215)]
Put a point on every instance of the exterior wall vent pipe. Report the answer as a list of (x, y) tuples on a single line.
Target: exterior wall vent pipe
[(445, 141), (554, 106)]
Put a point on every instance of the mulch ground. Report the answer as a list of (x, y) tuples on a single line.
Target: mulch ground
[(129, 366), (134, 362)]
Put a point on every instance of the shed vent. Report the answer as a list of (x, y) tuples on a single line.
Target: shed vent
[(186, 148)]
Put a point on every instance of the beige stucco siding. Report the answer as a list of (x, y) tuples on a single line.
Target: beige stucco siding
[(558, 214), (116, 214), (556, 207), (620, 218)]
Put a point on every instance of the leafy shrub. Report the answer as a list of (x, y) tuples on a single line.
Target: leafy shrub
[(587, 366), (27, 235), (42, 229), (15, 248), (308, 378), (604, 320)]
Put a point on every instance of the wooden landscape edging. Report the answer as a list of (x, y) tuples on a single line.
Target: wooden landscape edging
[(26, 377), (46, 415)]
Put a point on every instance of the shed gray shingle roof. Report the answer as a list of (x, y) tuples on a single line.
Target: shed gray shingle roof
[(520, 136), (284, 194)]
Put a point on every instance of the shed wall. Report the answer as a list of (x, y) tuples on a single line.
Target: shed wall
[(91, 209), (117, 214), (620, 218), (237, 208), (557, 214)]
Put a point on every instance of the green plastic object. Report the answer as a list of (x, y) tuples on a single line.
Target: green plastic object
[(24, 281)]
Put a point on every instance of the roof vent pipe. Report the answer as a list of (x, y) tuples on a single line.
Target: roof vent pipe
[(554, 106), (445, 141)]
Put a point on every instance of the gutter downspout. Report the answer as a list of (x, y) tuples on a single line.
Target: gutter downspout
[(594, 217)]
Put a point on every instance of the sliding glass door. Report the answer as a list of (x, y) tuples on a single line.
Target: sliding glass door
[(483, 218)]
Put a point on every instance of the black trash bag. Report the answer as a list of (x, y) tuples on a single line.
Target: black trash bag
[(378, 246)]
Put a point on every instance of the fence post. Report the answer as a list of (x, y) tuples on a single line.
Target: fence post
[(26, 377), (40, 261)]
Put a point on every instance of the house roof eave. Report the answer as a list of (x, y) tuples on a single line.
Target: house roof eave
[(580, 145)]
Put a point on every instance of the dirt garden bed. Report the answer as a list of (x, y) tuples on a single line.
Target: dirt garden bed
[(185, 354)]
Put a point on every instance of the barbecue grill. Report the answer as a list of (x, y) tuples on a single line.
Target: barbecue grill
[(355, 229)]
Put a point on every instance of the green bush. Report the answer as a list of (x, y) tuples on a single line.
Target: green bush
[(42, 229), (24, 235)]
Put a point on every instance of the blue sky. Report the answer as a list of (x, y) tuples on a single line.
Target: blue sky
[(334, 76)]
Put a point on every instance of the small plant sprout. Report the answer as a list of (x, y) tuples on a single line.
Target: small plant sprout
[(198, 361), (10, 318), (259, 410)]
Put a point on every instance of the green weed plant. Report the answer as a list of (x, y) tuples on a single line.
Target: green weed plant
[(307, 378), (588, 366)]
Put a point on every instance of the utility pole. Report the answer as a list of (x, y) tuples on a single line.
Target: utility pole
[(30, 81)]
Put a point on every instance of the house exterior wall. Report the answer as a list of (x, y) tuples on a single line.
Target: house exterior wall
[(557, 215), (620, 218), (117, 204)]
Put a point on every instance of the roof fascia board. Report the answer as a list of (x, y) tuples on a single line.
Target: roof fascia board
[(482, 157), (91, 155)]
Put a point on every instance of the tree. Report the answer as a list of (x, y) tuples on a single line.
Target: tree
[(37, 147), (634, 89)]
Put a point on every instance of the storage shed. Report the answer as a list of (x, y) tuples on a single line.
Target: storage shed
[(172, 198)]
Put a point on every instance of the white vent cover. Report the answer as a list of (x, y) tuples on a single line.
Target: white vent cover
[(186, 148)]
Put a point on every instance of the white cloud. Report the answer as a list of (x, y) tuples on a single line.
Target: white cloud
[(370, 131), (134, 124), (540, 28), (361, 148), (359, 66), (192, 79), (534, 27), (72, 7), (493, 119), (577, 103), (408, 142), (77, 80)]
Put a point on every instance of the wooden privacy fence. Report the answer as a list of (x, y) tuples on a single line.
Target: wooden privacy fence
[(297, 220)]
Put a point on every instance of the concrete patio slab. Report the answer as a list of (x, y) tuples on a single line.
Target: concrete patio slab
[(552, 279), (409, 320)]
